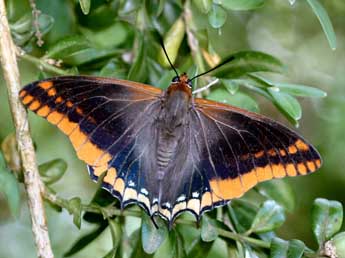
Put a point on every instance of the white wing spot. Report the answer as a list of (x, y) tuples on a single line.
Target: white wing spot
[(144, 191), (181, 198), (131, 183), (195, 195), (167, 204)]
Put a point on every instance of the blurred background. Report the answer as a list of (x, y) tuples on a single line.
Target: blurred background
[(291, 33)]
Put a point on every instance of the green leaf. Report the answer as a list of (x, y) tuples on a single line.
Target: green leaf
[(200, 249), (326, 23), (138, 71), (45, 23), (242, 4), (87, 239), (239, 99), (247, 62), (53, 170), (88, 55), (108, 37), (327, 217), (242, 213), (217, 16), (300, 90), (288, 104), (231, 86), (293, 89), (116, 233), (74, 208), (280, 191), (338, 242), (23, 24), (209, 231), (85, 6), (9, 188), (136, 241), (203, 6), (66, 46), (114, 69), (172, 43), (152, 237), (269, 217), (286, 249)]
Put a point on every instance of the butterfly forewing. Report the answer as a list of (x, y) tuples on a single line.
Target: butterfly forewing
[(110, 124)]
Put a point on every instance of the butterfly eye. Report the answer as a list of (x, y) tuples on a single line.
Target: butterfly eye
[(176, 79)]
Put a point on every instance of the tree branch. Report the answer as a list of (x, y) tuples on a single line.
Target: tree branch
[(32, 181)]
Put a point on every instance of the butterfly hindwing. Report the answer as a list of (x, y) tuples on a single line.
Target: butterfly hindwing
[(241, 149)]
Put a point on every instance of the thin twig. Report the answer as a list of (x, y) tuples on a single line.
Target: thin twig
[(42, 65), (32, 181), (35, 15)]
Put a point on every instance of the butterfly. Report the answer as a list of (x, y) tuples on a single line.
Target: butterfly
[(167, 150)]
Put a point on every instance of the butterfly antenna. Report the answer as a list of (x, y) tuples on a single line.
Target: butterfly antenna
[(229, 59), (166, 54)]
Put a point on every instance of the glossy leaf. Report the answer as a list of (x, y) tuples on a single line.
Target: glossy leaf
[(286, 249), (286, 102), (116, 233), (327, 218), (114, 69), (53, 170), (300, 90), (200, 249), (152, 237), (88, 55), (208, 229), (86, 239), (290, 88), (74, 208), (326, 23), (85, 6), (231, 86), (66, 46), (115, 35), (172, 43), (269, 217), (203, 6), (138, 71), (242, 213), (338, 242), (23, 24), (239, 99), (9, 188), (242, 4), (280, 191), (137, 246), (217, 16), (247, 62), (45, 23)]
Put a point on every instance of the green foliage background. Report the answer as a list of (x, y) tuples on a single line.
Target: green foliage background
[(117, 38)]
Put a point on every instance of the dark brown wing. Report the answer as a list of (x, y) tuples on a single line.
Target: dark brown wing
[(110, 124), (229, 151), (241, 149)]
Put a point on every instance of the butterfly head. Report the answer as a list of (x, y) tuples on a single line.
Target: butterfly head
[(183, 79)]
